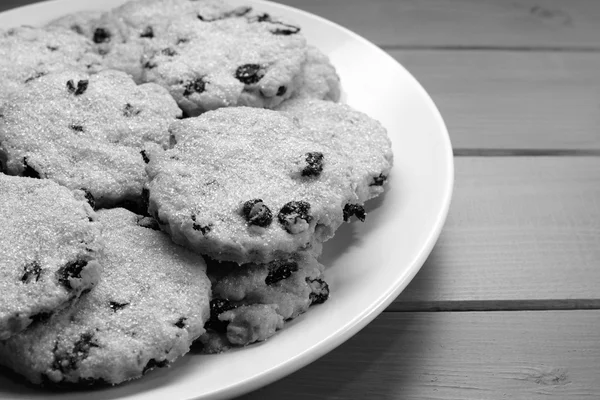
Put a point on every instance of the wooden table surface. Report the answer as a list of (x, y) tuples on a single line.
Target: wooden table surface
[(507, 305)]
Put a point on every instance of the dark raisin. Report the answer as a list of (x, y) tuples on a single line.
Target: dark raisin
[(280, 270), (249, 73), (29, 171), (257, 213), (320, 291), (180, 323), (76, 128), (145, 157), (204, 229), (281, 90), (354, 209), (101, 35), (285, 29), (42, 316), (130, 110), (154, 364), (169, 52), (31, 271), (117, 306), (36, 76), (238, 12), (70, 270), (66, 361), (196, 86), (82, 86), (314, 164), (378, 180), (148, 32), (264, 17), (292, 212), (182, 40), (149, 64), (288, 30), (52, 48), (218, 306)]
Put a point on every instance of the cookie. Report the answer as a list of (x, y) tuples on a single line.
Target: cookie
[(318, 79), (27, 53), (86, 132), (252, 185), (242, 61), (251, 301), (49, 243), (152, 302), (110, 39)]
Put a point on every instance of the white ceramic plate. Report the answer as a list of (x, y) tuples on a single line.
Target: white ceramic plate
[(368, 264)]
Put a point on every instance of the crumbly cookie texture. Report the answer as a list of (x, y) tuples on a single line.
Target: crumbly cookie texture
[(86, 132), (318, 79), (49, 243), (152, 302), (251, 302), (27, 53), (250, 185)]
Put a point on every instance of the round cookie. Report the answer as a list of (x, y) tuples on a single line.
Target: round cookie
[(251, 185), (49, 243), (244, 61), (251, 301), (152, 302), (27, 53), (86, 132)]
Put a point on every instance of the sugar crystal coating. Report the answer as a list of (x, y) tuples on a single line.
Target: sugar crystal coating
[(86, 131), (28, 53), (45, 229), (152, 302)]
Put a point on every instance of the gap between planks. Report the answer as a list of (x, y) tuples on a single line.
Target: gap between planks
[(462, 152), (447, 356), (496, 305), (540, 49)]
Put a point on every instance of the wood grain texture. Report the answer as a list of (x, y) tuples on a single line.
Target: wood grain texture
[(466, 23), (519, 229), (513, 100), (483, 355)]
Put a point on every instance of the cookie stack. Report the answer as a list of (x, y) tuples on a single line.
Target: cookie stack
[(177, 166)]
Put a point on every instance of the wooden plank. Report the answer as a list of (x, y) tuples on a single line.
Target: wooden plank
[(522, 232), (504, 99), (466, 23), (479, 23), (483, 355)]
